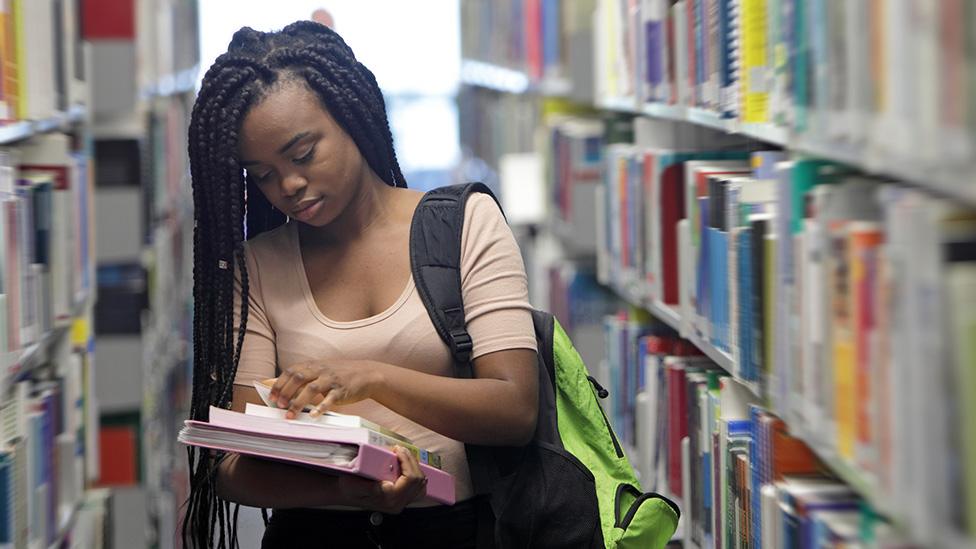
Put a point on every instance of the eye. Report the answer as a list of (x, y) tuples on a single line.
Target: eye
[(258, 178), (303, 159)]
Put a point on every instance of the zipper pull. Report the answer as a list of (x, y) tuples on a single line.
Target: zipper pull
[(600, 391)]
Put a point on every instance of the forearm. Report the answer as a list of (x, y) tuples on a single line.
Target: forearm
[(480, 411), (263, 483)]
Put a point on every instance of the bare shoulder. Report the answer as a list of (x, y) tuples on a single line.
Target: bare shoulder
[(406, 201)]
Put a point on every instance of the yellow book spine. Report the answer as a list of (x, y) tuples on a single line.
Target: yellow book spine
[(755, 97), (19, 57)]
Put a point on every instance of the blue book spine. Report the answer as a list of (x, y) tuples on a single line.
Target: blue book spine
[(722, 274), (712, 273), (635, 213), (642, 359), (727, 68), (654, 31), (47, 430), (745, 304), (6, 500), (550, 34), (791, 528)]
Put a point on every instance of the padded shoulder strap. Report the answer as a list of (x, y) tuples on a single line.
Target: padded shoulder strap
[(435, 261)]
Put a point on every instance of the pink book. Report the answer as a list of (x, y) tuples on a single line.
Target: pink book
[(366, 459)]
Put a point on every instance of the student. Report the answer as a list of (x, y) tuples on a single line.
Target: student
[(290, 126)]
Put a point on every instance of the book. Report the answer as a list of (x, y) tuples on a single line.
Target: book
[(388, 436), (381, 435), (352, 450)]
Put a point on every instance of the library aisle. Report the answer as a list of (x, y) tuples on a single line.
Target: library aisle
[(756, 220)]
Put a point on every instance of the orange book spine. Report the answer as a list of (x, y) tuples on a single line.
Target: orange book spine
[(865, 238)]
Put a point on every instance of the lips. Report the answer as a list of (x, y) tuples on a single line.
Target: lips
[(307, 209)]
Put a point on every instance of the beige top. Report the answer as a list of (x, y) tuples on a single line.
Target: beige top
[(285, 326)]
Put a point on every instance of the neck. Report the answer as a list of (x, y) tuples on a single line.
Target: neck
[(368, 207)]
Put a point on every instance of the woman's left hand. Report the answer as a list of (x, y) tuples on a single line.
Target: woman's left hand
[(323, 384)]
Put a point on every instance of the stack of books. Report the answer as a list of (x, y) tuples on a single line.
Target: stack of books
[(337, 442)]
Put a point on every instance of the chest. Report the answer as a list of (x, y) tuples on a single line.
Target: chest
[(359, 280)]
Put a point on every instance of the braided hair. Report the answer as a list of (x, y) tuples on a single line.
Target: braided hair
[(255, 64)]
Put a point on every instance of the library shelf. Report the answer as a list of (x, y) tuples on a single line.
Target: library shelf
[(25, 129), (839, 467), (35, 355)]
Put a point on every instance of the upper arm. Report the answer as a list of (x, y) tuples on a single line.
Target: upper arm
[(258, 353), (496, 301), (493, 282)]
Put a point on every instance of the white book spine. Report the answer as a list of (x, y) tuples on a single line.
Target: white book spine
[(38, 45)]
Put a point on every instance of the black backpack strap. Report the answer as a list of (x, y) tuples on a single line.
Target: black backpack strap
[(435, 262)]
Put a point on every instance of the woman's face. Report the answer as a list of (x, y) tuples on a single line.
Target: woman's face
[(299, 157)]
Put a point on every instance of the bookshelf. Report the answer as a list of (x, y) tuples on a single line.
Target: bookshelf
[(167, 34), (791, 85), (49, 451), (672, 318)]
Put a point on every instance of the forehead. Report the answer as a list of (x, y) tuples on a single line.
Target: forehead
[(284, 111)]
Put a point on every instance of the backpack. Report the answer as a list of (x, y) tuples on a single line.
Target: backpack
[(572, 485)]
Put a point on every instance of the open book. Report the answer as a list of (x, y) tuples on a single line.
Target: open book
[(263, 432)]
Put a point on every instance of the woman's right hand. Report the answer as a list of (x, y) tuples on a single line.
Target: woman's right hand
[(385, 496)]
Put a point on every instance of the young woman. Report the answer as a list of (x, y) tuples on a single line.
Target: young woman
[(289, 138)]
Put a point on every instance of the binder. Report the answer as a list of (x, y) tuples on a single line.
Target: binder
[(367, 459)]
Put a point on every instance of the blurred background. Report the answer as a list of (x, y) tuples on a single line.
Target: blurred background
[(755, 218)]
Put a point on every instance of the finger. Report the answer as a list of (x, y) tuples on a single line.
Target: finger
[(330, 400), (295, 379), (306, 396), (411, 471), (409, 464)]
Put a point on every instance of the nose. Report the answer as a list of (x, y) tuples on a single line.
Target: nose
[(292, 184)]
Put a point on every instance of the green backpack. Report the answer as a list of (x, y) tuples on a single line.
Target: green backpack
[(572, 486)]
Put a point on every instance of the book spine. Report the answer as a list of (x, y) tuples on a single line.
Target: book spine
[(423, 456)]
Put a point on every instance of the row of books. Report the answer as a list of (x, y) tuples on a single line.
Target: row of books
[(531, 36), (45, 267), (575, 170), (743, 479), (48, 447), (892, 72), (493, 124), (43, 59), (825, 289)]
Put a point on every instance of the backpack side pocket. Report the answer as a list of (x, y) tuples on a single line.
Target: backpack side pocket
[(643, 520)]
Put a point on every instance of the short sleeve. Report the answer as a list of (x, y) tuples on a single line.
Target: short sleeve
[(493, 281), (259, 354)]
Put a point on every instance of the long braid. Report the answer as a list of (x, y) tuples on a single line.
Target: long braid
[(224, 200)]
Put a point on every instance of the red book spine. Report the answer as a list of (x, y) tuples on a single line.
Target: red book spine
[(672, 211), (677, 425)]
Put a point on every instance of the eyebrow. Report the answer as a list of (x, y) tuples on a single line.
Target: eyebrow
[(291, 143)]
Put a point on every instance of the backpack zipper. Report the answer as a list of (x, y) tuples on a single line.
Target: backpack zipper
[(603, 393)]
